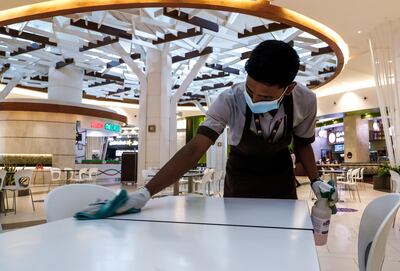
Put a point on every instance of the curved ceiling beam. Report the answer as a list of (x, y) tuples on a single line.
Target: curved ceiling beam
[(260, 8)]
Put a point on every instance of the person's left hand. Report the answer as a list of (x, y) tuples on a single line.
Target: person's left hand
[(315, 187)]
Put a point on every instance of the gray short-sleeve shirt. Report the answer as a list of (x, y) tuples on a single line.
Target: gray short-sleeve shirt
[(229, 110)]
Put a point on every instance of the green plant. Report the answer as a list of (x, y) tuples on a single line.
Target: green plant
[(383, 170), (10, 174)]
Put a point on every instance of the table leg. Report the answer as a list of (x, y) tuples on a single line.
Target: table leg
[(190, 184), (176, 188)]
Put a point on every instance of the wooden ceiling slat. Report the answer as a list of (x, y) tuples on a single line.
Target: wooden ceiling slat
[(31, 48), (99, 43), (114, 63), (219, 67), (64, 63), (212, 76), (216, 86), (192, 54), (113, 31), (184, 17), (262, 29), (181, 35), (26, 36)]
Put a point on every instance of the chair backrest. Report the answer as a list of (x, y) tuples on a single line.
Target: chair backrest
[(23, 173), (376, 222), (354, 175), (65, 201), (55, 174), (69, 173), (349, 175), (93, 173), (362, 173), (218, 175), (81, 172), (395, 181), (3, 174), (207, 175)]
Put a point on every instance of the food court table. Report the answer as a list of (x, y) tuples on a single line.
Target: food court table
[(130, 244)]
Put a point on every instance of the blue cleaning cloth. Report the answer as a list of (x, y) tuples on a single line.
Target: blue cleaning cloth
[(104, 209)]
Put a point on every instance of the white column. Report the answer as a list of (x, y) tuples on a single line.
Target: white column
[(385, 58), (217, 153), (158, 70), (65, 84)]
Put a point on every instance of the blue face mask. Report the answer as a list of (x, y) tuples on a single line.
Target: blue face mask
[(263, 106)]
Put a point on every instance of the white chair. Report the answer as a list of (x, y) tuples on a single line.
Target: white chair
[(205, 182), (55, 177), (65, 201), (17, 187), (82, 176), (374, 229), (218, 178), (69, 174), (3, 174), (351, 183), (360, 177), (92, 175), (394, 181), (341, 177)]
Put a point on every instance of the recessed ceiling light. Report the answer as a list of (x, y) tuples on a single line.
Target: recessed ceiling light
[(359, 32)]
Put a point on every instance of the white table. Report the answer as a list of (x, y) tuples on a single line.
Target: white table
[(291, 214), (230, 234)]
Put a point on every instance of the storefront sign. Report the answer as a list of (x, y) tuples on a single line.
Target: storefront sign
[(336, 137), (112, 127), (97, 124), (106, 126), (128, 142)]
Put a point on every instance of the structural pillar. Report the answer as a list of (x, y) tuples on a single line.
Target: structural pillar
[(155, 128), (65, 84), (356, 139)]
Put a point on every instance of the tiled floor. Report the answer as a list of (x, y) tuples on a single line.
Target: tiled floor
[(339, 254)]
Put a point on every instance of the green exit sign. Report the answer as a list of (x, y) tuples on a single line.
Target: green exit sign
[(112, 127)]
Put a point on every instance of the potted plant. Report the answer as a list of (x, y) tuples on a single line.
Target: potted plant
[(382, 180)]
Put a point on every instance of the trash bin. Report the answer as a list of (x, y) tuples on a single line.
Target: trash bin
[(129, 167)]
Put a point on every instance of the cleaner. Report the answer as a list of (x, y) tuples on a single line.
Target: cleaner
[(321, 213)]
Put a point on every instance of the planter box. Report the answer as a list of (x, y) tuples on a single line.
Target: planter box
[(381, 183)]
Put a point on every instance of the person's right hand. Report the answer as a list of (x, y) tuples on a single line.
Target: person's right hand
[(136, 200)]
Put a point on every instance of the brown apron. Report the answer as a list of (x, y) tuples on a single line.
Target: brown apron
[(259, 168)]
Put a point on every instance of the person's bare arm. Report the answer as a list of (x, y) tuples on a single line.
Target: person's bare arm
[(305, 155), (185, 159)]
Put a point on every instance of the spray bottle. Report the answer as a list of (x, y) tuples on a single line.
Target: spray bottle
[(321, 214)]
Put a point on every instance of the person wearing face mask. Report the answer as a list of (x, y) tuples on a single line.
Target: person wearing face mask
[(264, 114)]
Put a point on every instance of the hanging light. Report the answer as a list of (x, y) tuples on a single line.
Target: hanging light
[(322, 133), (375, 126)]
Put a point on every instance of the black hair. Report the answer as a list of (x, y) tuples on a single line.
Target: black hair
[(273, 62)]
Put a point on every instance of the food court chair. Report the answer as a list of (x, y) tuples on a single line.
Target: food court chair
[(69, 174), (360, 177), (92, 175), (55, 177), (65, 201), (395, 185), (22, 179), (82, 176), (394, 181), (3, 174), (350, 183), (217, 182), (373, 231), (205, 182)]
